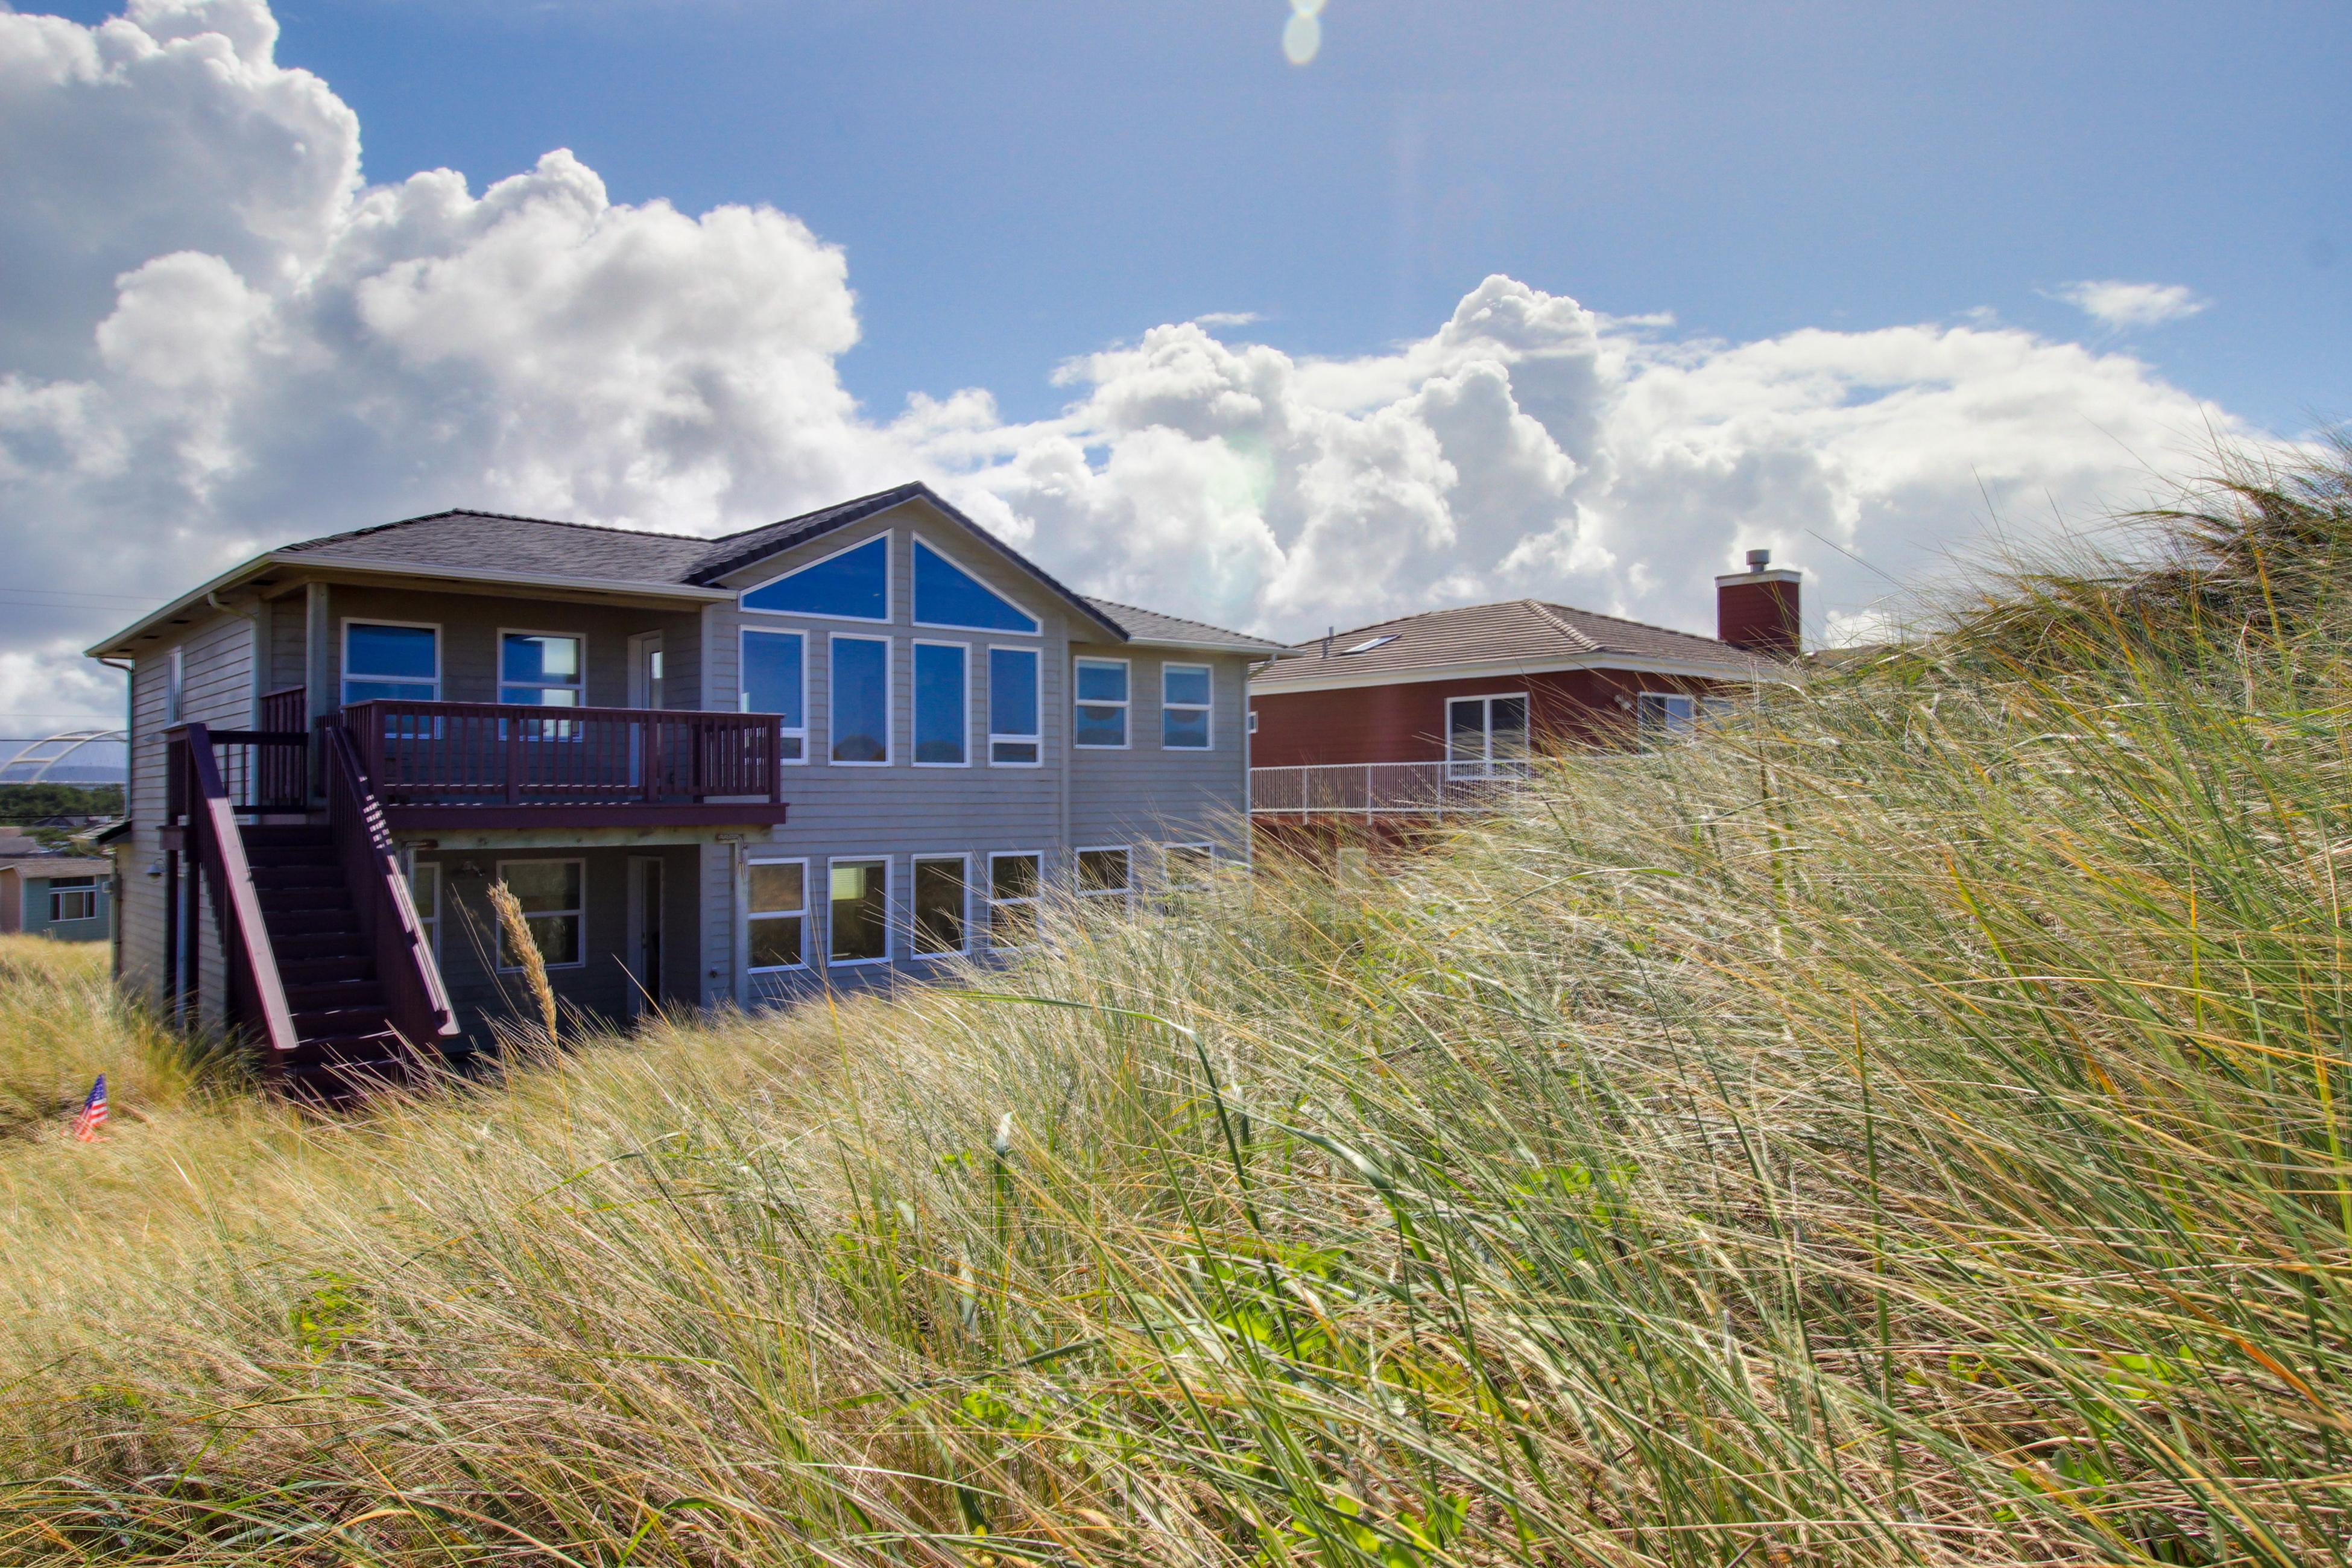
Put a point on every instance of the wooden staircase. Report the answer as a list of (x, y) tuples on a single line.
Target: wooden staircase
[(345, 1038)]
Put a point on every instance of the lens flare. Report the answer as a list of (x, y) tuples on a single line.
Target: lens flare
[(1302, 35)]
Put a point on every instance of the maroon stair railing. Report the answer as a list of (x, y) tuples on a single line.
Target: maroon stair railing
[(496, 753), (414, 1003), (198, 798)]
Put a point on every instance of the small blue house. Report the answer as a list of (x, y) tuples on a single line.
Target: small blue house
[(66, 898)]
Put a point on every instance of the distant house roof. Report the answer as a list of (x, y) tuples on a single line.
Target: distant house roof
[(489, 545), (54, 866), (1515, 633)]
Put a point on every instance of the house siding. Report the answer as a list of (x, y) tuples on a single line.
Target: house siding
[(1405, 721), (24, 908)]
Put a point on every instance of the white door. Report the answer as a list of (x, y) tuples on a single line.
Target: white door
[(645, 940)]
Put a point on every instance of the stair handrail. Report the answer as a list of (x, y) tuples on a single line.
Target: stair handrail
[(416, 1003), (219, 848)]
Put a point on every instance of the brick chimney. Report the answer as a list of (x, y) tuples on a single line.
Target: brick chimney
[(1757, 609)]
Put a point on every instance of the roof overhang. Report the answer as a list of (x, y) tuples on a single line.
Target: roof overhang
[(1693, 669), (236, 576)]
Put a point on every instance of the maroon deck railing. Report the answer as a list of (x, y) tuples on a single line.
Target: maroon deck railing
[(414, 1002), (495, 753), (261, 772), (201, 802)]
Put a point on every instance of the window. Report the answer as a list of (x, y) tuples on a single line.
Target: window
[(541, 669), (1369, 644), (1012, 736), (383, 660), (775, 680), (940, 905), (175, 685), (73, 899), (851, 584), (861, 911), (948, 595), (1672, 716), (1102, 704), (776, 914), (1485, 737), (1104, 874), (1188, 866), (1253, 726), (1184, 707), (861, 699), (424, 893), (943, 702), (1014, 882), (553, 906)]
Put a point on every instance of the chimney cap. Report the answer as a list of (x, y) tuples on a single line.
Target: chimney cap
[(1759, 559)]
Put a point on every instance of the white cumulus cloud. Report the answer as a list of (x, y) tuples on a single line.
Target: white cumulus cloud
[(2122, 306), (218, 336)]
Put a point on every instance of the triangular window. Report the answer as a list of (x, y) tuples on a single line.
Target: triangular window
[(852, 585), (948, 595)]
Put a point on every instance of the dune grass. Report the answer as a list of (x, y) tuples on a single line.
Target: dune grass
[(1906, 1126)]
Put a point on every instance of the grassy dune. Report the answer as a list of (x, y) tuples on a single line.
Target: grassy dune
[(1905, 1127)]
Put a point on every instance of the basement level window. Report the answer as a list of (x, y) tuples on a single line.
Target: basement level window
[(1368, 645)]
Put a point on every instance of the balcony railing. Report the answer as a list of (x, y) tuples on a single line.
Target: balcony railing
[(260, 773), (1383, 789), (507, 754)]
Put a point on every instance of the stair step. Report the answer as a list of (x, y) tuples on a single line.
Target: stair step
[(293, 972), (318, 939), (336, 1023), (313, 996), (260, 855), (306, 874), (285, 834), (278, 900)]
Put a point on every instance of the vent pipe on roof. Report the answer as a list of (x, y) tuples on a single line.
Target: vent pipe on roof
[(1328, 633)]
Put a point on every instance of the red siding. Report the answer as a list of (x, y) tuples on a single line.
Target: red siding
[(1406, 723)]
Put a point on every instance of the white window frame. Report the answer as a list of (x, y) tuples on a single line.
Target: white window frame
[(1036, 657), (1253, 721), (1124, 895), (833, 698), (73, 888), (1207, 710), (752, 917), (430, 919), (1035, 901), (1668, 730), (914, 703), (914, 542), (743, 697), (580, 913), (344, 670), (175, 685), (915, 864), (1167, 860), (1485, 767), (889, 591), (1125, 707), (498, 668), (889, 906)]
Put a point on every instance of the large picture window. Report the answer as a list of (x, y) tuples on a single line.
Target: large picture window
[(775, 680), (1184, 697), (943, 705), (1102, 704), (948, 595), (861, 911), (776, 914), (861, 699), (1487, 737), (1015, 881), (1013, 740), (851, 584), (542, 670), (941, 904), (73, 899), (553, 894), (383, 659)]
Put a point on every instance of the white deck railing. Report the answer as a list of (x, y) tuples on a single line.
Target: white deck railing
[(1383, 789)]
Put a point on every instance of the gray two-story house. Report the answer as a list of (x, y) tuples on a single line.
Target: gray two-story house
[(839, 749)]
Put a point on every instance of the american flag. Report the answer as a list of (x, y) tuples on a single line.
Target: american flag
[(93, 1113)]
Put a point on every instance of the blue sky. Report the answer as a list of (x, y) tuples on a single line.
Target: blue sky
[(1335, 340), (1018, 184)]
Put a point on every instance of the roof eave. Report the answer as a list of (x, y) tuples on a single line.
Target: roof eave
[(119, 645)]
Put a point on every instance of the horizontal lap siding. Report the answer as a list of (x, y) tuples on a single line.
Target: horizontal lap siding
[(1405, 721), (470, 624), (1150, 795)]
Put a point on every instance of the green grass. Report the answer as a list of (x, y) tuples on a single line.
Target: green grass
[(1905, 1127)]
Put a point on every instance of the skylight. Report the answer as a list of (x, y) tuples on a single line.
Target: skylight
[(1369, 644)]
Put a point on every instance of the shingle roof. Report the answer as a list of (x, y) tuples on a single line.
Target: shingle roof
[(533, 546), (54, 866), (1152, 626), (1513, 631)]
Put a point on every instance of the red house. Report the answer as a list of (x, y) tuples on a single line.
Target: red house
[(1401, 715)]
